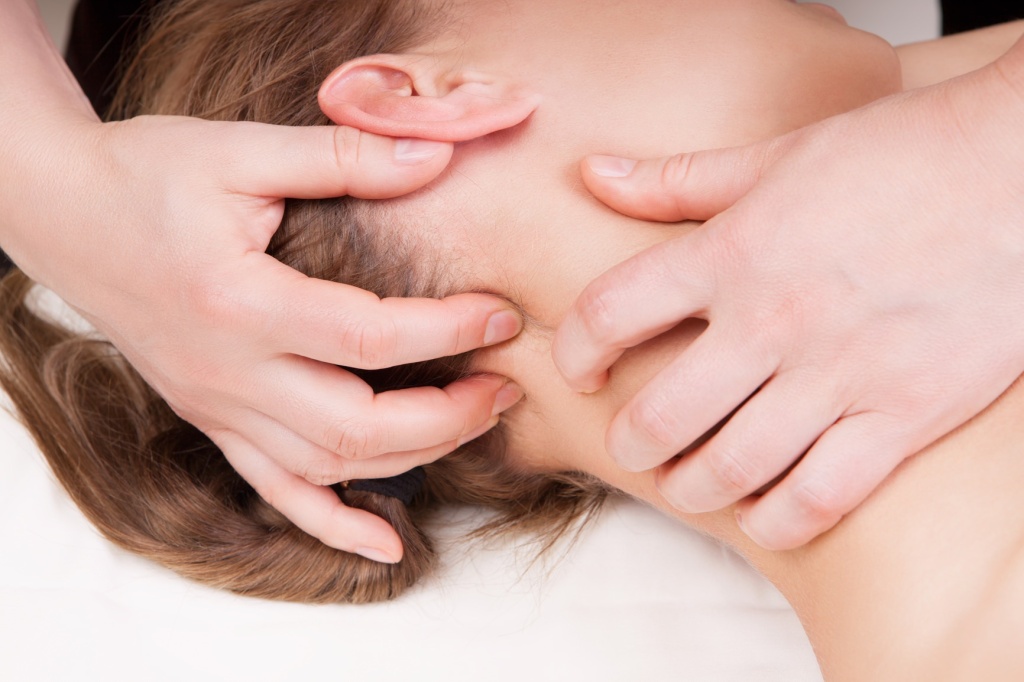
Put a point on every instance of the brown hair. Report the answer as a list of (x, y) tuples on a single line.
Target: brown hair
[(157, 486)]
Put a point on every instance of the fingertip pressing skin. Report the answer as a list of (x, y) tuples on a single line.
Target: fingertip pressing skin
[(506, 398), (626, 186), (342, 325), (502, 326), (580, 374), (429, 328), (488, 320), (633, 302), (612, 167), (688, 186), (578, 361), (653, 189)]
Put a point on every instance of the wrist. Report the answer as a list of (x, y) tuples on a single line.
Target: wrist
[(44, 151), (45, 174), (986, 108)]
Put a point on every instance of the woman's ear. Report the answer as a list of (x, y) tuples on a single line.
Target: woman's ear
[(404, 96)]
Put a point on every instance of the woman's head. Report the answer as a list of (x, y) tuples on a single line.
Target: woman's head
[(157, 486), (508, 217), (630, 79)]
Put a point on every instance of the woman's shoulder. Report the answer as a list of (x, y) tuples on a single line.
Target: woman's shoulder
[(933, 61)]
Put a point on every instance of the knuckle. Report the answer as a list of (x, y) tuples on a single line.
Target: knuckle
[(817, 499), (211, 298), (598, 314), (657, 422), (733, 470), (374, 342), (346, 147), (272, 495), (355, 441), (323, 472), (676, 172)]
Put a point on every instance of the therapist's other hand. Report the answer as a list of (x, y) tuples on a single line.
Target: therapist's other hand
[(156, 230), (863, 280)]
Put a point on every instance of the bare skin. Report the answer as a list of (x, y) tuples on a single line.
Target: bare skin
[(850, 322), (920, 581)]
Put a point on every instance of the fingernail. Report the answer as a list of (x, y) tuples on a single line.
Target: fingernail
[(413, 151), (502, 327), (611, 166), (378, 555), (509, 395), (473, 435)]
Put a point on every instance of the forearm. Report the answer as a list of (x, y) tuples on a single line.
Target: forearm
[(44, 116), (36, 82)]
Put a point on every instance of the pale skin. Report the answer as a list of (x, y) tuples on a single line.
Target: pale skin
[(155, 230), (924, 580), (863, 282)]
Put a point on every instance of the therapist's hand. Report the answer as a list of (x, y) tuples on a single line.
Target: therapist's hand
[(863, 280), (155, 229)]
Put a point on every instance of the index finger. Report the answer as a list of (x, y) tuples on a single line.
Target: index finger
[(339, 412), (325, 161), (635, 301), (343, 325)]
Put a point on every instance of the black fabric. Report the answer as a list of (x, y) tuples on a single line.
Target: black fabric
[(404, 487), (958, 15)]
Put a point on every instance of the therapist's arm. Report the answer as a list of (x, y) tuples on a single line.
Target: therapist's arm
[(155, 230), (933, 61), (864, 283)]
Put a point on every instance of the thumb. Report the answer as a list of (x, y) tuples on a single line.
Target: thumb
[(695, 186), (326, 161)]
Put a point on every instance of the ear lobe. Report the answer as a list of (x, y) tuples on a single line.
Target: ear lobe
[(391, 95)]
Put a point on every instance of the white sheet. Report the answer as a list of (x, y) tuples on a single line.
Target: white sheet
[(638, 598)]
